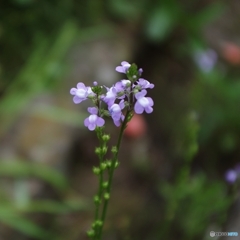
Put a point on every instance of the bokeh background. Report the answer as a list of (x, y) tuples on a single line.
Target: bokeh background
[(171, 182)]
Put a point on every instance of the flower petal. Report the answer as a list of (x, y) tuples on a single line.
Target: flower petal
[(81, 85), (148, 109), (73, 91), (93, 110), (120, 69), (77, 100), (91, 126), (138, 108), (100, 122)]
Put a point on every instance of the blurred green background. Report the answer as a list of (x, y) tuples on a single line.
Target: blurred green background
[(170, 183)]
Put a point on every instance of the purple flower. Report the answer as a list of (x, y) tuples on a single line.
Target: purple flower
[(119, 87), (93, 120), (126, 83), (143, 103), (80, 93), (116, 112), (231, 176), (123, 69), (111, 96), (143, 83), (206, 60)]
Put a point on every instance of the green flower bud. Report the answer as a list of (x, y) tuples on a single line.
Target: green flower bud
[(114, 149), (103, 166), (135, 91), (97, 89), (105, 137), (99, 223), (91, 233), (96, 170), (98, 150), (132, 72), (109, 163), (106, 113), (96, 199), (116, 164), (104, 150), (105, 184), (106, 196)]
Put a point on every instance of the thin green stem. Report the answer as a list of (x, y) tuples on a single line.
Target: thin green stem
[(111, 171), (100, 187)]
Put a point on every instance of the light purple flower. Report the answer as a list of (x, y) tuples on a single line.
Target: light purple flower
[(143, 103), (93, 120), (206, 60), (123, 69), (80, 93), (231, 176), (126, 83), (116, 112), (111, 96), (119, 87), (143, 83)]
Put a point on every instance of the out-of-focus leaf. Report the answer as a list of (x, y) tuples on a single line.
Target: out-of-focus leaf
[(44, 66), (60, 115), (22, 2), (160, 24), (49, 206), (22, 224), (26, 169), (205, 16), (125, 9)]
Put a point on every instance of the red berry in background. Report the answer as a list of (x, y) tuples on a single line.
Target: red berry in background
[(136, 128), (231, 53)]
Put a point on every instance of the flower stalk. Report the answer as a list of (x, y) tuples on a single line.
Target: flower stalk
[(127, 94)]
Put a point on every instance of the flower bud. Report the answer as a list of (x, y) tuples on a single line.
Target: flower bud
[(105, 184), (114, 149), (106, 196), (104, 150), (96, 170), (109, 163), (91, 233), (99, 223), (116, 164), (96, 199), (103, 166), (98, 150), (135, 90), (105, 137)]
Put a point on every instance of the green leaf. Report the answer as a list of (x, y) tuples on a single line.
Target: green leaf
[(26, 169), (160, 24), (22, 224), (49, 206)]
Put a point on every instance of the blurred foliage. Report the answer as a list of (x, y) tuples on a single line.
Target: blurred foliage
[(35, 37), (191, 210), (13, 211), (192, 202)]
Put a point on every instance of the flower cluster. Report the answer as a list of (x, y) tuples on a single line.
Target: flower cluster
[(126, 95)]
